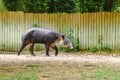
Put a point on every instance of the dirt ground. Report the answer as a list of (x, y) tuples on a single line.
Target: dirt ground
[(11, 58)]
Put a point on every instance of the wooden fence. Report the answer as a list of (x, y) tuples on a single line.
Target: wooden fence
[(90, 28)]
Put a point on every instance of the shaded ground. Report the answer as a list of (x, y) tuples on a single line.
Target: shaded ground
[(10, 58)]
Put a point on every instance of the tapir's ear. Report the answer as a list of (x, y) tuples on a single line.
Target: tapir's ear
[(63, 36)]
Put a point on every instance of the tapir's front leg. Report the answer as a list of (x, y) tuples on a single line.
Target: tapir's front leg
[(31, 49), (47, 49), (56, 49)]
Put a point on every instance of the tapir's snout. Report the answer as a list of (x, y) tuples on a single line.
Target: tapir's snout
[(71, 47)]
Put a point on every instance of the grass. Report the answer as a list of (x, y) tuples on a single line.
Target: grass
[(60, 71)]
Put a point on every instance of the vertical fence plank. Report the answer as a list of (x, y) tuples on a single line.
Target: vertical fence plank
[(10, 31), (115, 29), (3, 45), (1, 34), (5, 29), (82, 32), (20, 26), (118, 32), (118, 43)]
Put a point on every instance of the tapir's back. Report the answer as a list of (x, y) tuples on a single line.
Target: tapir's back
[(37, 30), (36, 34)]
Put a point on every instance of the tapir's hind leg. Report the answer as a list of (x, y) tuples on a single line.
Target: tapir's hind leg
[(21, 48), (31, 49)]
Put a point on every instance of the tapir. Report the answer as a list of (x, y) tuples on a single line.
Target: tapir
[(44, 36)]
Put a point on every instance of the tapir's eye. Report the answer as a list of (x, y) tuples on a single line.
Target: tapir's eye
[(66, 42)]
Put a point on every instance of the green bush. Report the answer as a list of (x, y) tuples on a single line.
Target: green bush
[(116, 6), (10, 4), (55, 6), (36, 6), (105, 48), (116, 9), (94, 49), (59, 6), (35, 25)]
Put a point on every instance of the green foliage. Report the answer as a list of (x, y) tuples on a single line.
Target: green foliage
[(64, 49), (74, 39), (116, 9), (58, 6), (61, 6), (100, 40), (116, 6), (36, 6), (89, 6), (35, 25), (105, 48), (101, 46), (50, 6), (10, 4), (94, 49), (3, 47)]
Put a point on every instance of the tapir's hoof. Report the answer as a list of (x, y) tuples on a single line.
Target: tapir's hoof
[(33, 55), (55, 55), (18, 54), (47, 55)]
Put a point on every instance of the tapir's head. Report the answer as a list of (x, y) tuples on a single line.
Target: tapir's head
[(66, 42)]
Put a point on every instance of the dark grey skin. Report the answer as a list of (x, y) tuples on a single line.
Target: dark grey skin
[(46, 37)]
